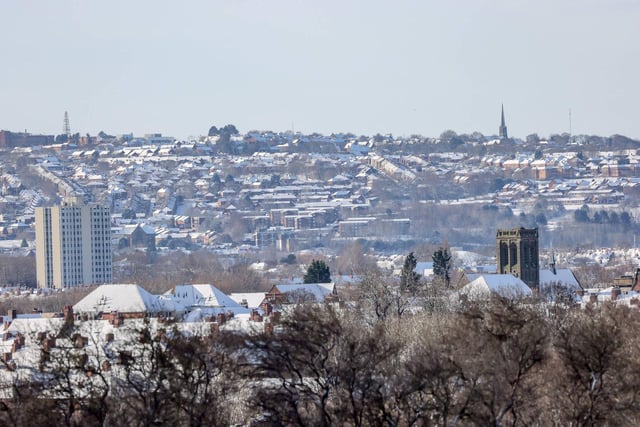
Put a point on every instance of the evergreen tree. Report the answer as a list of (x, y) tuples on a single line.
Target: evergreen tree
[(442, 265), (408, 277), (318, 272)]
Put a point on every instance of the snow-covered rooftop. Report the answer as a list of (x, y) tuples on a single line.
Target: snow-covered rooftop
[(123, 298), (504, 285)]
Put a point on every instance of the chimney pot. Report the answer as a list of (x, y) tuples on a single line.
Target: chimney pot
[(221, 318), (615, 293)]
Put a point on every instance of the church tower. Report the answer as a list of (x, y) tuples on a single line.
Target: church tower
[(517, 254), (502, 131)]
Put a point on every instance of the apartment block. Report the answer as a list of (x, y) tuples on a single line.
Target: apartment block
[(73, 244)]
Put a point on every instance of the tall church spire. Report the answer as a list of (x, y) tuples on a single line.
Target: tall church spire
[(502, 131)]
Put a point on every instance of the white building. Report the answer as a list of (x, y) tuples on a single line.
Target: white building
[(73, 244)]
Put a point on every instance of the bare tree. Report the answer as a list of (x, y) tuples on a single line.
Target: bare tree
[(322, 368), (380, 296), (593, 376)]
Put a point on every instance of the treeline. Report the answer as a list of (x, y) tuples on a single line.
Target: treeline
[(18, 270), (158, 272), (603, 217), (497, 363)]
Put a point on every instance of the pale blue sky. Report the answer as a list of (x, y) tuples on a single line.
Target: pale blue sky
[(367, 66)]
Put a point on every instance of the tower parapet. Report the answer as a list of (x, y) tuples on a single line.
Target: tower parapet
[(518, 254)]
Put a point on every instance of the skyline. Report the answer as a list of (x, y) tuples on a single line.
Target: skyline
[(363, 67)]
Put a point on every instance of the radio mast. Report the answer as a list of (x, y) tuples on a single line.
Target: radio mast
[(66, 128)]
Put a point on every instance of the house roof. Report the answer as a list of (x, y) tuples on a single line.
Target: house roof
[(254, 299), (123, 298), (202, 295), (31, 326), (562, 276), (319, 290), (504, 285)]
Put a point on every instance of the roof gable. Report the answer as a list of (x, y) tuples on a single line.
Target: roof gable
[(123, 298), (318, 290), (202, 295), (504, 285), (562, 276)]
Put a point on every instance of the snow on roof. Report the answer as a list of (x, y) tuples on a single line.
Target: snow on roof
[(203, 295), (469, 258), (346, 279), (254, 299), (630, 298), (30, 326), (319, 290), (562, 276), (123, 298), (504, 285)]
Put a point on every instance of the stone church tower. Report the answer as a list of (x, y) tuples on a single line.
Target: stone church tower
[(517, 254)]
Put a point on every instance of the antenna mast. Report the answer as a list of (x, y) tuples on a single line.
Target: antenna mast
[(66, 128)]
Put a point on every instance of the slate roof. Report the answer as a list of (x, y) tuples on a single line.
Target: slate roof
[(188, 297), (319, 290), (123, 298), (562, 276), (504, 285), (254, 299)]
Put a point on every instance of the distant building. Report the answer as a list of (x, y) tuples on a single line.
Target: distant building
[(502, 130), (136, 236), (73, 244), (517, 254), (301, 292), (22, 139)]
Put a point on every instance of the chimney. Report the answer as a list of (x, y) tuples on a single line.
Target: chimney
[(49, 343), (215, 329), (275, 317), (268, 329), (116, 319), (12, 313), (244, 303), (615, 293), (221, 318), (67, 314), (255, 316), (636, 276), (267, 308), (17, 344), (80, 341)]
